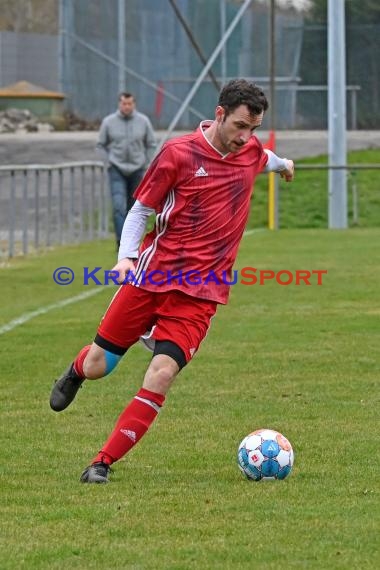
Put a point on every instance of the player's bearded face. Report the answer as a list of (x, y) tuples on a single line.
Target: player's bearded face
[(236, 128)]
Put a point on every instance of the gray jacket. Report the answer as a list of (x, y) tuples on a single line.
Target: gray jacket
[(127, 142)]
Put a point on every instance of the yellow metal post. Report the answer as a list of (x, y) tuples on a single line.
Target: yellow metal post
[(271, 201)]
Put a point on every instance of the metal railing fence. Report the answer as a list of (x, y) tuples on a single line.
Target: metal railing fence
[(359, 197), (44, 205)]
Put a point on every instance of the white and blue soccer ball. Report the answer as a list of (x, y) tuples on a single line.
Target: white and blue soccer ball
[(265, 454)]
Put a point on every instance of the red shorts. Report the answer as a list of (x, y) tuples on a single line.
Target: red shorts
[(172, 316)]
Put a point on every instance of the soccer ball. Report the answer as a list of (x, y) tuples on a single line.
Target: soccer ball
[(265, 454)]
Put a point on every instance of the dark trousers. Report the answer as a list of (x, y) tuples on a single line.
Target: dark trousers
[(122, 188)]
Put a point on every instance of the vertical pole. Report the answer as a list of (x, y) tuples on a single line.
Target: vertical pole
[(25, 213), (60, 206), (49, 204), (121, 44), (66, 30), (337, 120), (272, 65), (12, 215), (271, 201), (272, 182), (223, 23), (61, 46), (71, 206), (37, 209)]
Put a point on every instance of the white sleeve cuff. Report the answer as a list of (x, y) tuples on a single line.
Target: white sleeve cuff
[(275, 163), (133, 230)]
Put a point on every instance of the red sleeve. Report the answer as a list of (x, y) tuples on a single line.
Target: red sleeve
[(263, 157), (159, 179)]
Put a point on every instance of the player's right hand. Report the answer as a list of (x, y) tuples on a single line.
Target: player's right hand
[(123, 267), (288, 173)]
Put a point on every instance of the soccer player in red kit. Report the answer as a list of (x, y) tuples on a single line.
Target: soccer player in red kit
[(199, 186)]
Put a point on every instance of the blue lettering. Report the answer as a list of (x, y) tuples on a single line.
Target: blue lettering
[(111, 276), (90, 275), (212, 277), (130, 277), (170, 277), (151, 275), (225, 280), (197, 277)]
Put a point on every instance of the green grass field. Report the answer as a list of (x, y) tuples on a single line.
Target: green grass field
[(300, 359)]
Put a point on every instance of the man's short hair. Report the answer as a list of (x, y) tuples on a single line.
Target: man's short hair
[(126, 95), (241, 92)]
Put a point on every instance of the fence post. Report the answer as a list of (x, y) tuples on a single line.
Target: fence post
[(25, 213), (60, 205), (12, 200), (37, 209), (48, 216)]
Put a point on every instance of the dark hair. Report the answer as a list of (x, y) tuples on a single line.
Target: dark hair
[(240, 92), (126, 95)]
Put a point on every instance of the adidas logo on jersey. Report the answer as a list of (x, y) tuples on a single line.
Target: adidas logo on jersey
[(129, 433), (201, 172)]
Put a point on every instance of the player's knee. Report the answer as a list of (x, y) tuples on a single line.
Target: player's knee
[(160, 380), (100, 363), (160, 374), (93, 367), (165, 375)]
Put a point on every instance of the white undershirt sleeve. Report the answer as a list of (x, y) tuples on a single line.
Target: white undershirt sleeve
[(275, 163), (133, 230)]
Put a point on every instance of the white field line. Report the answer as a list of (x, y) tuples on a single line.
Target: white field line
[(254, 231), (43, 310)]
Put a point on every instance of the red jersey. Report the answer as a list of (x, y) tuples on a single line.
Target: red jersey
[(202, 201)]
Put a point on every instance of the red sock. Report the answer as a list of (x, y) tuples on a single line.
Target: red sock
[(78, 362), (133, 423)]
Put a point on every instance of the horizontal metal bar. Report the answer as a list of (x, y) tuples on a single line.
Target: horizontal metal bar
[(291, 80), (338, 167), (282, 83), (49, 167), (324, 88), (68, 165)]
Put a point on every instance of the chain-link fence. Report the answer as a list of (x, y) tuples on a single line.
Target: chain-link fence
[(158, 50), (363, 74), (161, 65)]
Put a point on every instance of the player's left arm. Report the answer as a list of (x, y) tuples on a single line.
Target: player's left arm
[(132, 234), (283, 166), (133, 230)]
